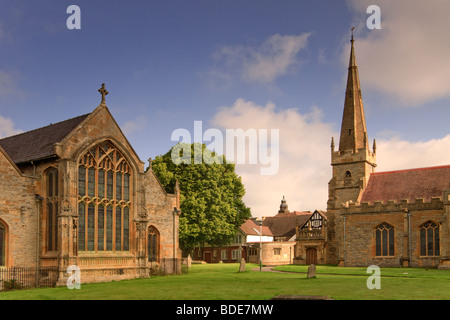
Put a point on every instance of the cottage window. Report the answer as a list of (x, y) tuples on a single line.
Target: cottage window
[(51, 179), (384, 240), (104, 202), (429, 239), (224, 255)]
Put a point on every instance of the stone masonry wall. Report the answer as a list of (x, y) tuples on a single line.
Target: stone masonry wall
[(18, 211)]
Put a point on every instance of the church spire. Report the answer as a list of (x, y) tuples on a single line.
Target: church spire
[(353, 129)]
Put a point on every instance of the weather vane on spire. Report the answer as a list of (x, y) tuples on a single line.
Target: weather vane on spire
[(103, 92), (352, 33)]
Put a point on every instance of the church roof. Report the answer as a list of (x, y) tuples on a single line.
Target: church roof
[(425, 183), (39, 143)]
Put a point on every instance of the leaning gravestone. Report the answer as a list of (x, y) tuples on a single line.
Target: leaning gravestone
[(311, 271), (242, 265)]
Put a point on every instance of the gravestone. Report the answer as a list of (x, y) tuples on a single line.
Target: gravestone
[(242, 265), (189, 261), (311, 271)]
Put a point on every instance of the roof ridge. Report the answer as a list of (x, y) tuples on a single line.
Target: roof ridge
[(412, 169), (40, 128)]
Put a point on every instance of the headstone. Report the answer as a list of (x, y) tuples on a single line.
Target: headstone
[(311, 271), (189, 261), (242, 265)]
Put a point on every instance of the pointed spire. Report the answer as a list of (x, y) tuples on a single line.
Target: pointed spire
[(353, 129)]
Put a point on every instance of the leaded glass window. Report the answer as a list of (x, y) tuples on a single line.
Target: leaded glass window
[(2, 245), (51, 179), (429, 239), (153, 244), (384, 240), (104, 200)]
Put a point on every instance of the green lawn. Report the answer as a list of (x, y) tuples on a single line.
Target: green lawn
[(223, 282)]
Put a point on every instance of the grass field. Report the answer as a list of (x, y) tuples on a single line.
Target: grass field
[(224, 282)]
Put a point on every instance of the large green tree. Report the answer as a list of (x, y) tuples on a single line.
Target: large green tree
[(210, 194)]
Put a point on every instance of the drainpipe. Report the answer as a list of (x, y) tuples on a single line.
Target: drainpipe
[(345, 247), (38, 200), (409, 236)]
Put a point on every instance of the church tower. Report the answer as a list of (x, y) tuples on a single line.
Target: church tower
[(353, 162)]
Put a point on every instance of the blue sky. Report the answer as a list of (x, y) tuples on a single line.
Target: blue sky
[(169, 63)]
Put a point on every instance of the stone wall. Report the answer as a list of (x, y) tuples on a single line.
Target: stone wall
[(358, 243), (18, 211)]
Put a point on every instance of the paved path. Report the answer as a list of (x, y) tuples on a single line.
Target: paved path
[(270, 269)]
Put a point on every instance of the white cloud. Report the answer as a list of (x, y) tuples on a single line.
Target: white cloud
[(304, 168), (304, 159), (398, 154), (276, 57), (7, 127), (408, 58), (131, 126)]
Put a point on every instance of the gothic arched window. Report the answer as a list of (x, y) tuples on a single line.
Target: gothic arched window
[(153, 244), (384, 240), (2, 245), (104, 202), (429, 239), (52, 207)]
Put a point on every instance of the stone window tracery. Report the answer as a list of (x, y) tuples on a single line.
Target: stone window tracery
[(104, 200), (384, 240), (2, 245), (153, 244), (429, 239), (52, 208)]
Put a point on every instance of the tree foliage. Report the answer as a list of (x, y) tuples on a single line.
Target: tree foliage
[(211, 195)]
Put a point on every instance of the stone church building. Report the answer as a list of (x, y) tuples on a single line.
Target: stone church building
[(76, 193), (397, 218)]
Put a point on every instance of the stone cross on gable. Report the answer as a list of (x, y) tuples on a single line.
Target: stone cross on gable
[(103, 92)]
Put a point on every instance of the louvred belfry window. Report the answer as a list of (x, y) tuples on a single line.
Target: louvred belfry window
[(104, 201)]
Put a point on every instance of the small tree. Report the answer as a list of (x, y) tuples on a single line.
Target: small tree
[(210, 196)]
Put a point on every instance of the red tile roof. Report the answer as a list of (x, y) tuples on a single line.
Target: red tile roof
[(249, 227), (38, 144), (409, 184)]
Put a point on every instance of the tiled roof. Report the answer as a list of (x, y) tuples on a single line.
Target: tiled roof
[(38, 144), (283, 224), (249, 227), (409, 184)]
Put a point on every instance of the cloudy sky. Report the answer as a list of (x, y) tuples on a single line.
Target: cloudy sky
[(237, 64)]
